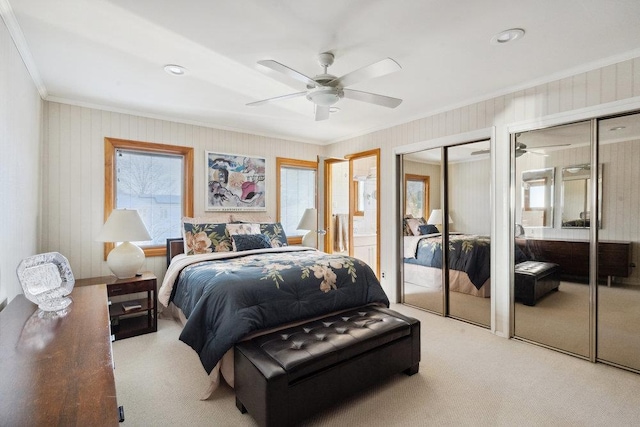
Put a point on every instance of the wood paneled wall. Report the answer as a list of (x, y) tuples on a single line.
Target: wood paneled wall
[(469, 196), (20, 140), (73, 173)]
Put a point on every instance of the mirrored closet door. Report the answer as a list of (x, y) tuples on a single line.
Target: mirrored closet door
[(422, 269), (577, 230), (446, 229), (618, 319), (551, 273), (468, 182)]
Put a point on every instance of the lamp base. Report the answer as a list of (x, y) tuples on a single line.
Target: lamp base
[(310, 239), (125, 260)]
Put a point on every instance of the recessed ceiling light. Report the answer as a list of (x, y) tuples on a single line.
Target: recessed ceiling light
[(175, 70), (616, 128), (507, 36)]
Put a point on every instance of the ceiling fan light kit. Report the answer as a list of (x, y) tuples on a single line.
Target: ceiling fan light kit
[(325, 96), (324, 90)]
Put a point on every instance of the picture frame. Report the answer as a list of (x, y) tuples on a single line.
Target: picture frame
[(234, 182)]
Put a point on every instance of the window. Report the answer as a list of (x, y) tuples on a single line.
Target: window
[(296, 184), (416, 195), (154, 179)]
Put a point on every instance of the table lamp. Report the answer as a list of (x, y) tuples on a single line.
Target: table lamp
[(124, 225), (309, 222), (436, 219)]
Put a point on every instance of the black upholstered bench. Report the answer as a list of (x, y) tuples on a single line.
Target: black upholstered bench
[(534, 279), (288, 375)]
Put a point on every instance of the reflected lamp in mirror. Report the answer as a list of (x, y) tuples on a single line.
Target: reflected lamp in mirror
[(46, 280), (126, 226), (436, 219), (309, 222)]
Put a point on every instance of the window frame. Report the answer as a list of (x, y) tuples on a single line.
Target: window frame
[(111, 145), (299, 164), (424, 179)]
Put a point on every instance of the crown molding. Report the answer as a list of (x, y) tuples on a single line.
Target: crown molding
[(21, 44)]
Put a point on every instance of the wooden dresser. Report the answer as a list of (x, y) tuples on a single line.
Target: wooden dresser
[(58, 371), (614, 258)]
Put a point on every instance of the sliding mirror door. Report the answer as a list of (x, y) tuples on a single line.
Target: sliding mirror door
[(551, 271), (468, 183), (619, 289), (422, 287)]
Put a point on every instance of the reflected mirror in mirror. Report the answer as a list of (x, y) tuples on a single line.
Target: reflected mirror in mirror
[(576, 196), (537, 198)]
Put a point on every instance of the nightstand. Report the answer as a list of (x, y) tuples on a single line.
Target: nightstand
[(138, 321)]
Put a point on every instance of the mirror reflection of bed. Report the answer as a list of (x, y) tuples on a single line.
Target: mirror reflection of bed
[(468, 226)]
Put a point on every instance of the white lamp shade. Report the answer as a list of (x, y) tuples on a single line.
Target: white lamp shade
[(309, 220), (436, 217), (123, 225)]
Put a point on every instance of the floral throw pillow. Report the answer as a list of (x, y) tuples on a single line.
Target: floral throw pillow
[(275, 233), (203, 237)]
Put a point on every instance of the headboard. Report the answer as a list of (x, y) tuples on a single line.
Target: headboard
[(175, 246)]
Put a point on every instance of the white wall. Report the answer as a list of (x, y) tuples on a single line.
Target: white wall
[(593, 88), (73, 192), (20, 142)]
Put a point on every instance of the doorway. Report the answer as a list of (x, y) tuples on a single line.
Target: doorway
[(352, 206)]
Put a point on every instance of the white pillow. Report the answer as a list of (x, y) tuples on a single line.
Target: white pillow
[(414, 223), (242, 228)]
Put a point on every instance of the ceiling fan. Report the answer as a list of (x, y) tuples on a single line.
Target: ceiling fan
[(324, 90), (522, 149)]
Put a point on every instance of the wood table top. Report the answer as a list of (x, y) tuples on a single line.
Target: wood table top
[(58, 371)]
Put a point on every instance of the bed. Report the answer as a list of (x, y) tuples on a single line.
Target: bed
[(224, 297), (469, 262)]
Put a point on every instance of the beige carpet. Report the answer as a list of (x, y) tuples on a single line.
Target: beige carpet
[(462, 306), (561, 320), (467, 377)]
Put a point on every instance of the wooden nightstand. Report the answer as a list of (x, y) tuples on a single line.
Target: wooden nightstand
[(125, 324)]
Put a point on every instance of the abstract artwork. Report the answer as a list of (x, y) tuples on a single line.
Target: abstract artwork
[(234, 182)]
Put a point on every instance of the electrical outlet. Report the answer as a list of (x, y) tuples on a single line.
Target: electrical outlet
[(382, 274)]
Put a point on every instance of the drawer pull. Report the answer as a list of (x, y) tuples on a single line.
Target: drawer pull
[(114, 290)]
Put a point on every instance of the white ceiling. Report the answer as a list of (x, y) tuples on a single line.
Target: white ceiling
[(110, 54)]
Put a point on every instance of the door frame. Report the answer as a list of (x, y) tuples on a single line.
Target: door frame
[(355, 156)]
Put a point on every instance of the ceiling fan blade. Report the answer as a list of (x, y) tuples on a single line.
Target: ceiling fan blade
[(277, 98), (485, 151), (276, 66), (374, 70), (373, 98), (552, 146), (322, 113), (536, 152)]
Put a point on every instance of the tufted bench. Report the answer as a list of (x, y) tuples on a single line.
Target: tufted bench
[(286, 376), (535, 279)]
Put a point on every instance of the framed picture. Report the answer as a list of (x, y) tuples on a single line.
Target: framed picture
[(235, 182)]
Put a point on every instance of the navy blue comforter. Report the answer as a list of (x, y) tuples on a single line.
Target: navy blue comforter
[(226, 299), (468, 253)]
